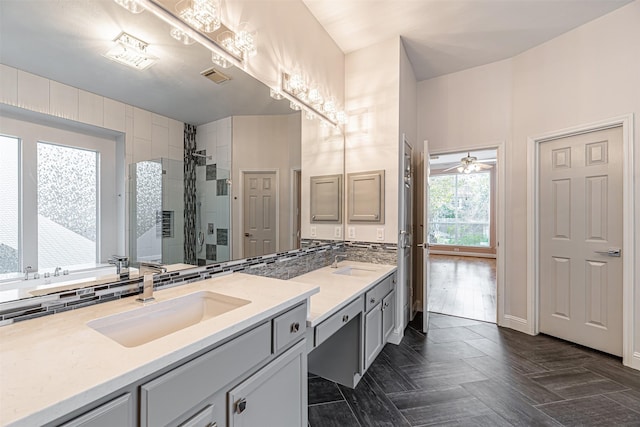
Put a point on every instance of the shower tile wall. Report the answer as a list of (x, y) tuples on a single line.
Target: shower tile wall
[(212, 191), (173, 201)]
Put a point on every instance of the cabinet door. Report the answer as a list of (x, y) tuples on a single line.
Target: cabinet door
[(388, 315), (118, 412), (276, 395), (372, 335)]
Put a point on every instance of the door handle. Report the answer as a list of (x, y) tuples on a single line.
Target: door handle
[(248, 234), (610, 252)]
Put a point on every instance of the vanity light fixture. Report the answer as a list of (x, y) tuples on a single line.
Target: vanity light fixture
[(131, 51), (131, 5), (310, 99)]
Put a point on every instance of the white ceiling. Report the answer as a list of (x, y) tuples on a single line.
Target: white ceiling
[(445, 36), (64, 40)]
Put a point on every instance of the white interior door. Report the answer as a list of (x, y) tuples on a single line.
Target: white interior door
[(580, 239), (405, 226), (425, 240), (259, 208)]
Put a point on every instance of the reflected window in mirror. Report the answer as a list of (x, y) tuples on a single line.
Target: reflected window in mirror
[(60, 205), (10, 207)]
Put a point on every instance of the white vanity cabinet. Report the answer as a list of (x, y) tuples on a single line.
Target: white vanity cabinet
[(258, 377), (379, 318), (274, 396)]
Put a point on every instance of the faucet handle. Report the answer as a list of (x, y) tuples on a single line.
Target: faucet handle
[(152, 267)]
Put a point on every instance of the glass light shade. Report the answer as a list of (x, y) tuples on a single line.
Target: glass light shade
[(245, 41), (220, 60), (341, 117), (227, 41), (294, 106), (181, 36), (131, 5), (309, 115), (314, 96), (329, 106), (131, 51), (203, 15), (275, 94)]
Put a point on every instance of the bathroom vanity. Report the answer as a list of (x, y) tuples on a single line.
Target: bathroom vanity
[(245, 366), (351, 318), (233, 350)]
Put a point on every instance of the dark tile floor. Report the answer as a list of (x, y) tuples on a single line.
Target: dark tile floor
[(469, 373)]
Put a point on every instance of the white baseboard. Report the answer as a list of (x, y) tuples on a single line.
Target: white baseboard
[(516, 323), (473, 254), (635, 361), (396, 336)]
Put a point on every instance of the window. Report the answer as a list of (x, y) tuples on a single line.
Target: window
[(10, 205), (62, 192), (67, 205), (460, 209)]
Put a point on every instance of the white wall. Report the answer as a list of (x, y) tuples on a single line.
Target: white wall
[(586, 75), (322, 154), (289, 38), (372, 134), (265, 143)]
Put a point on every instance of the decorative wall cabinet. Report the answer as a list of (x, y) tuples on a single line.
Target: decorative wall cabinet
[(326, 199), (366, 197)]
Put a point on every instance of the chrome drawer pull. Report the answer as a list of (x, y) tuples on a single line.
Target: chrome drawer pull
[(345, 318), (372, 300), (241, 405), (295, 327)]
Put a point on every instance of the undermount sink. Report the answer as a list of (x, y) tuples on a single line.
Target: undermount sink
[(148, 323), (354, 271)]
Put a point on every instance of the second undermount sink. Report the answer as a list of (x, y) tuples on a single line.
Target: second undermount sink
[(354, 271), (148, 323)]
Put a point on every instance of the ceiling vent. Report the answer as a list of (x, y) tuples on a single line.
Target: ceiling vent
[(215, 76)]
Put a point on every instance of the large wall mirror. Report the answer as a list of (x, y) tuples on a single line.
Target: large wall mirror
[(242, 185)]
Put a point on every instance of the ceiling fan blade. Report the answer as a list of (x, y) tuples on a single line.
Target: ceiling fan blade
[(484, 166), (452, 168)]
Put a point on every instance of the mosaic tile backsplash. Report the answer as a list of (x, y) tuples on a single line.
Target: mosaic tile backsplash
[(285, 265)]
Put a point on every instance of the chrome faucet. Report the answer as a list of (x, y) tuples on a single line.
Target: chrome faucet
[(335, 261), (56, 272), (28, 269), (148, 271), (122, 265)]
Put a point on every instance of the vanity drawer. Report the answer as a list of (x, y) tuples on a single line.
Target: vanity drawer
[(289, 327), (379, 291), (327, 328), (169, 396)]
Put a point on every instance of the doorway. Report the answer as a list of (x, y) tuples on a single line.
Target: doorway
[(259, 207), (462, 234)]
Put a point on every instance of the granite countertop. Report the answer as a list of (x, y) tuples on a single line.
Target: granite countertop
[(337, 290), (53, 365)]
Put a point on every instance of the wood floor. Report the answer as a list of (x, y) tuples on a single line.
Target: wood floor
[(463, 286), (470, 373)]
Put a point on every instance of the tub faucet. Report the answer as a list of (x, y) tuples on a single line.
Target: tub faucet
[(56, 272), (148, 271), (335, 261), (28, 269), (122, 265)]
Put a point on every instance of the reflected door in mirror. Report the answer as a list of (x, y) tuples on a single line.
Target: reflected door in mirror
[(260, 201)]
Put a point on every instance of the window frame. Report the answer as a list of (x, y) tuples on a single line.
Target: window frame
[(108, 200)]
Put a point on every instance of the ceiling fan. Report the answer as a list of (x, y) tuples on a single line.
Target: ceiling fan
[(469, 164)]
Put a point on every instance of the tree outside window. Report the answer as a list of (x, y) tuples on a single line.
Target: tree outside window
[(459, 209)]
